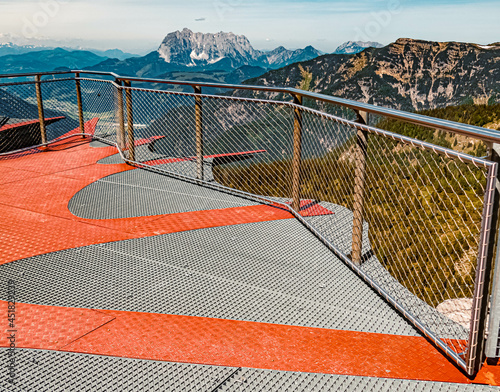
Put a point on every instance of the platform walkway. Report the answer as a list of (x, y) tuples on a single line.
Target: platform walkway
[(128, 279)]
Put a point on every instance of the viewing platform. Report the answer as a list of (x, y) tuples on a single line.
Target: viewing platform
[(237, 243)]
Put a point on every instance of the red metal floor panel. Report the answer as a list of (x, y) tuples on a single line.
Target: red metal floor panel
[(26, 233), (235, 343), (51, 327)]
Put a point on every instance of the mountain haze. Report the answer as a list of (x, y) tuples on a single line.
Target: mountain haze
[(9, 48)]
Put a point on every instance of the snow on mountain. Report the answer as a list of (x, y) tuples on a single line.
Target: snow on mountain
[(198, 49), (352, 47)]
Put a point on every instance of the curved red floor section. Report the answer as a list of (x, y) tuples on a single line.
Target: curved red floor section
[(34, 194)]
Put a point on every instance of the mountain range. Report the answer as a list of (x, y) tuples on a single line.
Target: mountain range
[(220, 57), (48, 60), (407, 74), (9, 48)]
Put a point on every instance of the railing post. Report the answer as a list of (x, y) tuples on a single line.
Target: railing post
[(359, 189), (79, 101), (199, 133), (41, 115), (492, 346), (130, 121), (120, 137), (477, 347), (297, 153)]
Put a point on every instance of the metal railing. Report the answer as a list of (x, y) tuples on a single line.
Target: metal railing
[(416, 221)]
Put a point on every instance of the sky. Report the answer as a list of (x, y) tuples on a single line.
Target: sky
[(139, 26)]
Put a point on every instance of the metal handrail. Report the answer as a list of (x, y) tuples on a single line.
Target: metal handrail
[(484, 134), (31, 74)]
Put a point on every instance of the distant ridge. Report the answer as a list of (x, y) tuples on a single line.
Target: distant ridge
[(408, 74), (48, 60), (9, 48)]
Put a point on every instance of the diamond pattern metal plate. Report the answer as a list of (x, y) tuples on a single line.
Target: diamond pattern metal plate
[(50, 371)]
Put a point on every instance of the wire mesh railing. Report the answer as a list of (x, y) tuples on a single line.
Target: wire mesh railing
[(410, 218)]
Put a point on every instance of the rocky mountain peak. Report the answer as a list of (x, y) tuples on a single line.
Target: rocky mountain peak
[(204, 49), (189, 48)]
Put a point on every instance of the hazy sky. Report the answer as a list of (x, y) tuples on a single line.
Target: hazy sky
[(140, 26)]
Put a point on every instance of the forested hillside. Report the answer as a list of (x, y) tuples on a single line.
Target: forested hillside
[(423, 209)]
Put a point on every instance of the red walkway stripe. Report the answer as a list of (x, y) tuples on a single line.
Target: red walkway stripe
[(234, 343), (49, 327), (267, 346)]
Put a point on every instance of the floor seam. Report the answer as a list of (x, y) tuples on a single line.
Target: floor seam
[(88, 333), (230, 376), (236, 282)]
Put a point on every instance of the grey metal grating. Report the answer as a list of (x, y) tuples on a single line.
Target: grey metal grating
[(338, 229), (143, 193), (39, 371), (44, 371), (99, 144), (232, 272), (278, 381)]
